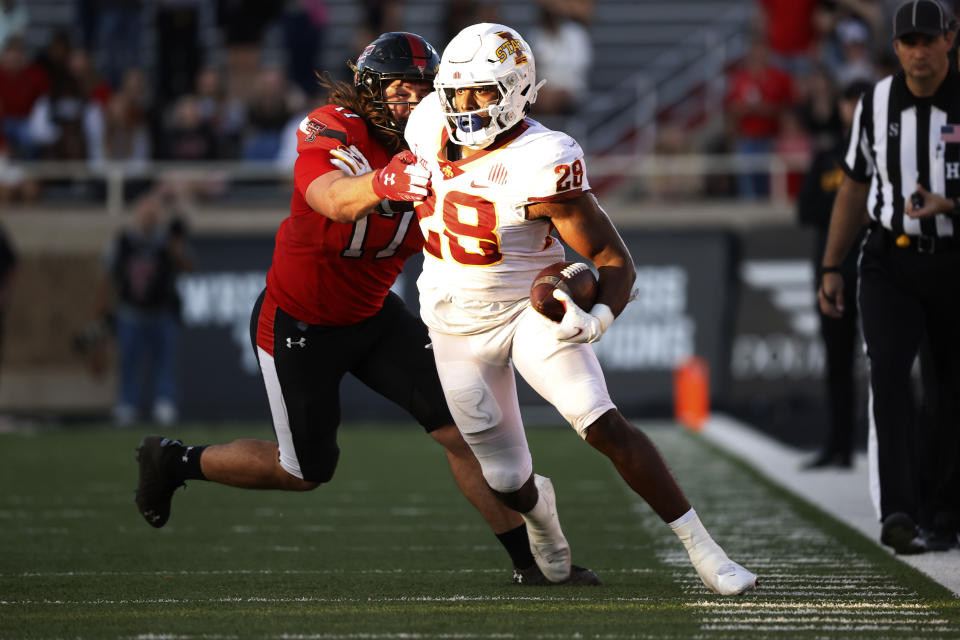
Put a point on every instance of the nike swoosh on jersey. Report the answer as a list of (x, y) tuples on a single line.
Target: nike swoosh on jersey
[(478, 186)]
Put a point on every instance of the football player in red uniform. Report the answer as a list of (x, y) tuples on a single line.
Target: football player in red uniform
[(327, 309)]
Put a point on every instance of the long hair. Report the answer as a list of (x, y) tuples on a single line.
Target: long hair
[(344, 94)]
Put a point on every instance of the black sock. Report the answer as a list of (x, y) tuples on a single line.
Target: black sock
[(517, 545), (183, 462)]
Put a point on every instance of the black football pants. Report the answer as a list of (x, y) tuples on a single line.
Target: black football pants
[(386, 352)]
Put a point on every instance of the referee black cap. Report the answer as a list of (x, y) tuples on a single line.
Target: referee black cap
[(920, 16)]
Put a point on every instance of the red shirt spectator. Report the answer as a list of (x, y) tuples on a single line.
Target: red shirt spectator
[(797, 146), (789, 25), (92, 83), (21, 81), (759, 92)]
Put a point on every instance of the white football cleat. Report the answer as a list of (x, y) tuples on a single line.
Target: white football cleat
[(547, 543), (729, 579), (720, 573)]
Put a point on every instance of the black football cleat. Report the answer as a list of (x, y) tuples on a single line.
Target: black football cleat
[(939, 540), (533, 577), (942, 535), (581, 577), (154, 489), (900, 532)]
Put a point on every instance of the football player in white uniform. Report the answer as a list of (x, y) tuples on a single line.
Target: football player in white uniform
[(501, 182)]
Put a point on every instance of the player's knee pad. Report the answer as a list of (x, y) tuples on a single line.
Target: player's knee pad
[(506, 480), (503, 456), (474, 408), (586, 401), (507, 473)]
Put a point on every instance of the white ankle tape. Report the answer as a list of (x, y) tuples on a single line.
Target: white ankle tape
[(684, 519)]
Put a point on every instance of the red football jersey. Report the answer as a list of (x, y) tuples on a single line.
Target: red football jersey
[(335, 273)]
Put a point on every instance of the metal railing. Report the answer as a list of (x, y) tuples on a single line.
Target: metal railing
[(666, 81), (649, 168), (646, 170), (115, 175)]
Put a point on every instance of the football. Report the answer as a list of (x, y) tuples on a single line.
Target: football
[(574, 278)]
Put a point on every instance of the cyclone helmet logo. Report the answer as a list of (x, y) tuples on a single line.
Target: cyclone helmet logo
[(511, 47)]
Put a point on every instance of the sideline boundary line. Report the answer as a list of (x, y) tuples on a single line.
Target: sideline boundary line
[(843, 494)]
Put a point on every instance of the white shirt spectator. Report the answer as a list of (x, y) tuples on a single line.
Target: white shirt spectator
[(45, 131), (563, 56), (13, 20)]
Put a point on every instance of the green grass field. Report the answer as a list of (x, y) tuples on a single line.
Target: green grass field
[(390, 550)]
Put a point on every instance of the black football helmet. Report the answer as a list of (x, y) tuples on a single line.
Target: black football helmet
[(397, 55)]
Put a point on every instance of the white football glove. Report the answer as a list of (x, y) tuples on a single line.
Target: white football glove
[(350, 161), (579, 326)]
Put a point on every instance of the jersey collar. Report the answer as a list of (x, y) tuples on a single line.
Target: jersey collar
[(452, 169)]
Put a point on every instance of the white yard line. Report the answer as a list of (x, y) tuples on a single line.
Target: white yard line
[(843, 494), (414, 636), (301, 599)]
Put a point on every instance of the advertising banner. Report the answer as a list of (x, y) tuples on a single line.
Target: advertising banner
[(778, 359), (686, 285)]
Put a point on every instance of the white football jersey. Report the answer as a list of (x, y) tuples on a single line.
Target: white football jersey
[(479, 246)]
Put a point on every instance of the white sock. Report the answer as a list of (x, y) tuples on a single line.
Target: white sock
[(705, 553), (684, 519)]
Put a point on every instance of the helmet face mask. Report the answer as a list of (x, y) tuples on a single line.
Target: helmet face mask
[(393, 56), (471, 121), (484, 55)]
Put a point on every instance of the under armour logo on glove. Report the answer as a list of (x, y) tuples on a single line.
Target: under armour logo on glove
[(402, 179)]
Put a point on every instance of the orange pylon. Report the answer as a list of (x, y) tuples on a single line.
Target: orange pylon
[(691, 393)]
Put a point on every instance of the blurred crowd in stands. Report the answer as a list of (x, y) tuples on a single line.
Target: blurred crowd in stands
[(87, 95), (783, 97), (93, 92)]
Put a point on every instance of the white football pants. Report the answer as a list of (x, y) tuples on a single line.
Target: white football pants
[(478, 381)]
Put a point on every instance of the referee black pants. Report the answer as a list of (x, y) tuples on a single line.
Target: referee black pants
[(906, 296)]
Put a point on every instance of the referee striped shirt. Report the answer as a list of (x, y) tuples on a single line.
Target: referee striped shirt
[(897, 141)]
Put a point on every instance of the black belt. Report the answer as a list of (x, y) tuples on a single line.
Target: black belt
[(918, 244)]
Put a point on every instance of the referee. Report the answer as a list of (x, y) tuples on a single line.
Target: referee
[(902, 177)]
